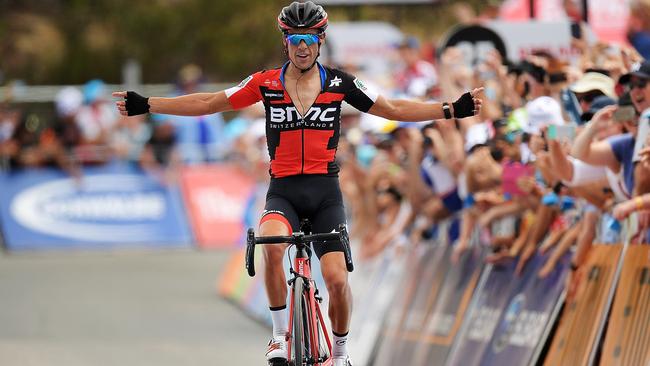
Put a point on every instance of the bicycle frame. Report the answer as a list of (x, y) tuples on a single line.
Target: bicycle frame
[(303, 266)]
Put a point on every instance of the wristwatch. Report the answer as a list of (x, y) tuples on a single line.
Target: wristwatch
[(446, 110)]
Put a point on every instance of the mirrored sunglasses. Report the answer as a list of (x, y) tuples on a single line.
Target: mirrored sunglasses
[(309, 38)]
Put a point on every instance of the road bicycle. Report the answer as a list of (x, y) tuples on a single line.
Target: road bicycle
[(308, 339)]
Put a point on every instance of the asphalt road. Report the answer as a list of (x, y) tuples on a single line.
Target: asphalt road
[(124, 308)]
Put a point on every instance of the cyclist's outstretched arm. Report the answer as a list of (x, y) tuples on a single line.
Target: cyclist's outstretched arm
[(196, 104), (467, 105)]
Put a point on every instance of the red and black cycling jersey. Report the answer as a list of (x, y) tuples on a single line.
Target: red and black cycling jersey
[(302, 144)]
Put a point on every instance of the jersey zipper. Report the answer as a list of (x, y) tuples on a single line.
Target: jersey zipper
[(302, 140)]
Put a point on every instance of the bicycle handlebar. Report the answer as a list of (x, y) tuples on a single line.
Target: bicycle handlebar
[(297, 238)]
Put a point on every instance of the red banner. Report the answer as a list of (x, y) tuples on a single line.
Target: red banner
[(216, 197)]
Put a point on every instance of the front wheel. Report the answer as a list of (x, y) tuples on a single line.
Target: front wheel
[(300, 326)]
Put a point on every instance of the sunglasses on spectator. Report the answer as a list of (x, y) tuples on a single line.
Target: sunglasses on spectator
[(638, 83), (588, 97), (309, 38)]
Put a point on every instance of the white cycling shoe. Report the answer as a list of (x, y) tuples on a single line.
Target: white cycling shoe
[(276, 353), (342, 361)]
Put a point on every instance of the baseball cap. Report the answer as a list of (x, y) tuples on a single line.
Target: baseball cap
[(94, 90), (639, 69), (542, 111), (68, 101), (595, 81), (477, 135), (408, 42)]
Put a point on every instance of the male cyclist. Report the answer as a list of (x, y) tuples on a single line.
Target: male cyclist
[(303, 104)]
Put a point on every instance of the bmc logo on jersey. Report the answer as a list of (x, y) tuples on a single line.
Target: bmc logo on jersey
[(290, 114)]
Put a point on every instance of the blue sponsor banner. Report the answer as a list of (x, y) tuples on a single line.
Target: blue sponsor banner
[(522, 327), (483, 316), (112, 205), (509, 322)]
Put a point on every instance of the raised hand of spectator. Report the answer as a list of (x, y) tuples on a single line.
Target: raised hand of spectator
[(494, 61), (603, 118), (501, 257), (630, 56), (623, 210)]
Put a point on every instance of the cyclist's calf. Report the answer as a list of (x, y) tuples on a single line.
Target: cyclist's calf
[(335, 275)]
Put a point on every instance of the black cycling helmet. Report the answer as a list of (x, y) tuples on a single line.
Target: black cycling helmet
[(305, 15)]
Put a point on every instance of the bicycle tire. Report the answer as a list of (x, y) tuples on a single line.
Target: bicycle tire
[(298, 337)]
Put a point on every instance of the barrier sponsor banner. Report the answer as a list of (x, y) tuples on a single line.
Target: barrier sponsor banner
[(510, 330), (581, 321), (374, 283), (111, 206), (447, 315), (421, 261), (483, 315), (216, 197), (428, 290), (628, 341)]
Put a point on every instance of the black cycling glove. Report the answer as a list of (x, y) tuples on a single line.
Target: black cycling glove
[(464, 106), (136, 103)]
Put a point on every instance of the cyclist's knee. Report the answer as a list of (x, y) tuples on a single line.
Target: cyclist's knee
[(273, 254), (274, 228), (337, 286), (336, 281)]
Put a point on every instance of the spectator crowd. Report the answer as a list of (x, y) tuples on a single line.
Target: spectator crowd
[(555, 161)]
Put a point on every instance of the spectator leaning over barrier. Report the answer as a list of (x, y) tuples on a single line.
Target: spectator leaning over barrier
[(9, 119), (638, 203), (68, 102), (35, 144), (159, 155), (617, 151), (541, 113), (302, 140), (200, 138), (432, 182), (129, 137)]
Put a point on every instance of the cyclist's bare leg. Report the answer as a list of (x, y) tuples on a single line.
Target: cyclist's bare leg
[(340, 296), (274, 278)]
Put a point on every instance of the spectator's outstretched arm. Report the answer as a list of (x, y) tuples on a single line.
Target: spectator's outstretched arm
[(196, 104), (499, 211), (600, 152), (638, 203), (469, 104)]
